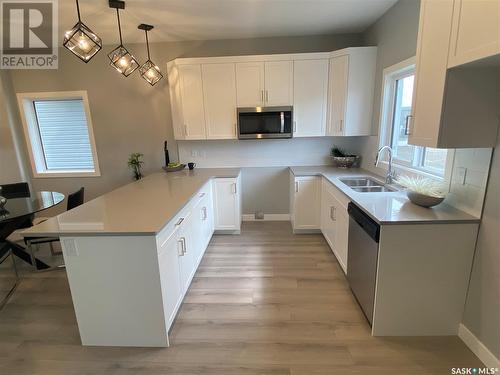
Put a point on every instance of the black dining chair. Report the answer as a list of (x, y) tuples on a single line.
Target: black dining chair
[(74, 200), (17, 190), (6, 253)]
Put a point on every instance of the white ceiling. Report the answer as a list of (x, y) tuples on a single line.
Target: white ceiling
[(177, 20)]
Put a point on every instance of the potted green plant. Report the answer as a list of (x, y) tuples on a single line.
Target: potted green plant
[(135, 163)]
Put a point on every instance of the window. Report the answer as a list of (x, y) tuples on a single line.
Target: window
[(396, 109), (59, 134)]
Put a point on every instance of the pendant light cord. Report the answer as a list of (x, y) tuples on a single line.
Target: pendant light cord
[(147, 44), (119, 26), (78, 11)]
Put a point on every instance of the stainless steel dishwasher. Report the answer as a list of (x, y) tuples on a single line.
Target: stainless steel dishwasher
[(362, 258)]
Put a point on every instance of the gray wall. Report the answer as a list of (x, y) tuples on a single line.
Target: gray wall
[(130, 116), (395, 34), (482, 309)]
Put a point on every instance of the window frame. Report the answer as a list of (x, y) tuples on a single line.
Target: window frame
[(32, 133), (390, 75)]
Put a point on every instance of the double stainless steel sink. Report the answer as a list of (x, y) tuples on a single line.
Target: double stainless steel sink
[(367, 185)]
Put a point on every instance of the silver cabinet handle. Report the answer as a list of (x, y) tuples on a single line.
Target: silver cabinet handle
[(185, 130), (181, 249), (296, 186), (201, 195), (204, 214), (184, 247), (407, 125), (332, 213), (262, 96), (294, 126), (341, 125), (233, 188), (267, 96), (179, 222)]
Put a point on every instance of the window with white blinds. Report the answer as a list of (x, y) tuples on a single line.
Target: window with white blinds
[(59, 130), (64, 135)]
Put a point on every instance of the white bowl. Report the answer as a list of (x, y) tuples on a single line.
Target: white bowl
[(423, 200)]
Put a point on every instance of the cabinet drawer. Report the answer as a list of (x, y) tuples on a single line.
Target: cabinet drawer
[(339, 196)]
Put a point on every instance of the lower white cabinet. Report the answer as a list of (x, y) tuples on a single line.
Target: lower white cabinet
[(305, 199), (227, 204), (335, 221)]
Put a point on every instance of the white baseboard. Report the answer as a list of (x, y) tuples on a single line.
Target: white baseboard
[(267, 217), (478, 348)]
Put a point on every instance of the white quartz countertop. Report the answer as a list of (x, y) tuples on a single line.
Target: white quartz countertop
[(142, 207), (388, 207)]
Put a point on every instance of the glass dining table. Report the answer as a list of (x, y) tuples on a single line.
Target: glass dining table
[(18, 213)]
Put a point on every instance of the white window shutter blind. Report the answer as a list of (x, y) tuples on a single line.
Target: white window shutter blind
[(64, 135)]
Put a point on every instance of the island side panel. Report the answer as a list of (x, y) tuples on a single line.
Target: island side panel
[(116, 292), (422, 278)]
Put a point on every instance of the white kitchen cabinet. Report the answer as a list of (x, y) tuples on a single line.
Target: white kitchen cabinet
[(191, 91), (278, 83), (250, 84), (305, 203), (187, 243), (310, 91), (169, 253), (227, 204), (352, 79), (475, 31), (219, 94), (335, 221), (452, 108)]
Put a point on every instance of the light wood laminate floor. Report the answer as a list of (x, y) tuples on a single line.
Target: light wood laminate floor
[(264, 302)]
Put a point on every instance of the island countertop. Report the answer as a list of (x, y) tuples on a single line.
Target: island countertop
[(142, 207), (388, 207)]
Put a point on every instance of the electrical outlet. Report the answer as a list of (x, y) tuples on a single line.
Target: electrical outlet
[(259, 215), (194, 153)]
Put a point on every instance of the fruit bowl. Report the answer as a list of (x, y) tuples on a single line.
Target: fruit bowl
[(179, 167), (423, 200)]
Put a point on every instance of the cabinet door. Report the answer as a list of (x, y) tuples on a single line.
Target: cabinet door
[(187, 250), (250, 84), (307, 203), (310, 90), (432, 56), (193, 112), (341, 219), (219, 92), (339, 70), (328, 225), (279, 83), (226, 204), (475, 31), (168, 259)]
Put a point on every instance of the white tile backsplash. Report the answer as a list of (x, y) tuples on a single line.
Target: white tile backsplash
[(467, 194)]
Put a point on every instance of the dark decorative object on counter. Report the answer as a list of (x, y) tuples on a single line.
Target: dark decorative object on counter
[(191, 166), (167, 157), (342, 159), (135, 163)]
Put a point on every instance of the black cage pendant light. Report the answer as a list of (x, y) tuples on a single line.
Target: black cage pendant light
[(82, 41), (120, 58), (149, 70)]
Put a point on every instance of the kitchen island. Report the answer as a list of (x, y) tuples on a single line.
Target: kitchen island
[(130, 254)]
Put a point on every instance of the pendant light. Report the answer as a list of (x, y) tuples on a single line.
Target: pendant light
[(120, 58), (82, 41), (149, 70)]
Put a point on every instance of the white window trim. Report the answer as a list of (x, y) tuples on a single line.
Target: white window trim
[(28, 117), (385, 124)]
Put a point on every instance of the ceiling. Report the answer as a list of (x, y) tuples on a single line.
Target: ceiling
[(178, 20)]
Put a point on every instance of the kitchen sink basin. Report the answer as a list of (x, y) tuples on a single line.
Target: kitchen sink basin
[(366, 185)]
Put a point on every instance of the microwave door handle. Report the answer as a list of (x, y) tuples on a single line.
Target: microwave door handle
[(282, 119)]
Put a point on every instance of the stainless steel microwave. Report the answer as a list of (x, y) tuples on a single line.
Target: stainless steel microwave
[(265, 122)]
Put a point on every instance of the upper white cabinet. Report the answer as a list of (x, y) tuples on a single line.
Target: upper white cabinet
[(452, 107), (219, 93), (267, 83), (305, 202), (352, 79), (193, 112), (250, 84), (331, 92), (227, 204), (310, 91), (475, 32), (278, 83)]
